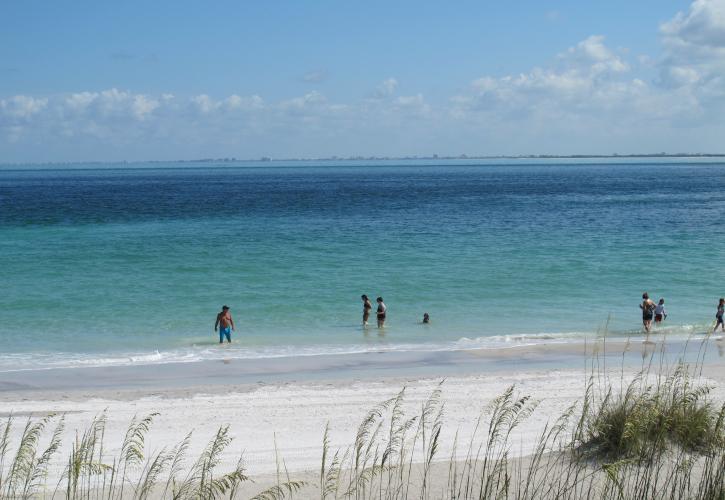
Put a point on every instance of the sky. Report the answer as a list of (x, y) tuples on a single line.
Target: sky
[(163, 80)]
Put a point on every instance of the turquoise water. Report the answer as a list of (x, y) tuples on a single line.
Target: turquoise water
[(118, 264)]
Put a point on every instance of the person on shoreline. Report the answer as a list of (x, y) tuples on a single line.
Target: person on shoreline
[(367, 307), (426, 318), (660, 313), (648, 306), (719, 316), (381, 312), (225, 323)]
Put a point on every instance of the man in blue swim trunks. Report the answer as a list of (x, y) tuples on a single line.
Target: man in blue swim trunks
[(225, 323)]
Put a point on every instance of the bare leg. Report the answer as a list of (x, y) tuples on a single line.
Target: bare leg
[(647, 327)]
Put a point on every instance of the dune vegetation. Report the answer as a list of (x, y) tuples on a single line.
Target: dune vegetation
[(656, 435)]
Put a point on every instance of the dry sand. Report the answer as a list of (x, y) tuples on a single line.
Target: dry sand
[(292, 415)]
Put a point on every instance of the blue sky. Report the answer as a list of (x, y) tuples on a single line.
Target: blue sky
[(165, 80)]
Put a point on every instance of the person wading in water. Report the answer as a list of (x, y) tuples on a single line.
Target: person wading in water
[(367, 307), (225, 323), (648, 310), (381, 312)]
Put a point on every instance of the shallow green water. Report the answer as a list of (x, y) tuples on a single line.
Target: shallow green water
[(130, 265)]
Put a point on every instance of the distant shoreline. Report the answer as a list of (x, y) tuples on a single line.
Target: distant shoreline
[(266, 159)]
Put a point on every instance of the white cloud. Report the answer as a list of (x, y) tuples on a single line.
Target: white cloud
[(386, 88), (80, 101), (304, 103), (587, 76), (247, 103), (410, 101), (412, 104), (703, 26), (142, 106), (593, 86), (21, 106), (680, 76), (591, 98), (204, 103), (694, 52), (592, 55), (17, 114), (111, 102), (207, 105)]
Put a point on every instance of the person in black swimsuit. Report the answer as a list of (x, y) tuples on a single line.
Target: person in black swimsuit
[(648, 309), (367, 307), (719, 315), (382, 309)]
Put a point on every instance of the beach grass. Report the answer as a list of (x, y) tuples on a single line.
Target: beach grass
[(656, 435)]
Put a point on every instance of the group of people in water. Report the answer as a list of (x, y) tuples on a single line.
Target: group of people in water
[(224, 323), (651, 311), (380, 312), (656, 311)]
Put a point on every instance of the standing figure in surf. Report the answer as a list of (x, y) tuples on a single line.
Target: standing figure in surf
[(381, 312), (225, 323), (719, 315), (660, 313), (367, 307), (648, 308)]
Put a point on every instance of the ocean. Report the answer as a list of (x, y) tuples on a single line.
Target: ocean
[(104, 265)]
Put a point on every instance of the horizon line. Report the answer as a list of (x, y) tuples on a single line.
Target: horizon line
[(268, 159)]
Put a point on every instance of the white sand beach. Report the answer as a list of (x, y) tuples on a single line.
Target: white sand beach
[(294, 415), (283, 422)]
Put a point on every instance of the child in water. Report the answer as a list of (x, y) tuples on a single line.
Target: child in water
[(660, 312), (426, 318)]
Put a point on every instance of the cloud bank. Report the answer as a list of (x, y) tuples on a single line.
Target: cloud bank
[(591, 98)]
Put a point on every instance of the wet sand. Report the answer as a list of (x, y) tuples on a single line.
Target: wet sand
[(286, 404)]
